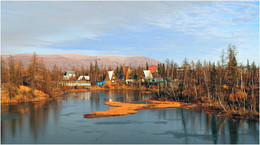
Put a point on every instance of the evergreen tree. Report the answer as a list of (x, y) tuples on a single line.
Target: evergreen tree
[(96, 71), (147, 66), (163, 71), (231, 68), (248, 65), (253, 66), (91, 70), (213, 80)]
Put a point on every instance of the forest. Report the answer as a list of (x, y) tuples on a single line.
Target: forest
[(225, 86)]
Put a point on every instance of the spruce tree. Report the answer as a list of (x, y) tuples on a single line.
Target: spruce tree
[(231, 68), (213, 80)]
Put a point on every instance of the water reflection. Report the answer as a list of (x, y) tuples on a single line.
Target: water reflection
[(214, 129), (61, 121)]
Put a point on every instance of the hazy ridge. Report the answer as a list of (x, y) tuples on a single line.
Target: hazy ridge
[(66, 61)]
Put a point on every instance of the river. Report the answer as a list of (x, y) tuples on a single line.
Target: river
[(61, 121)]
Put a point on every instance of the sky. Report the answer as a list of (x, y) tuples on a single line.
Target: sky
[(169, 29)]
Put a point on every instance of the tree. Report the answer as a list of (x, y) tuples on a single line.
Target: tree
[(11, 86), (91, 72), (19, 72), (213, 80), (206, 79), (96, 71), (163, 73), (147, 66), (12, 72), (231, 68), (223, 59), (33, 70), (55, 75), (4, 71), (46, 81), (185, 63), (167, 62), (117, 70)]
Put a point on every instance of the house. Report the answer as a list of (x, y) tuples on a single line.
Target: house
[(153, 69), (83, 78), (127, 81), (147, 74), (69, 75), (81, 81), (111, 77), (84, 81), (180, 68)]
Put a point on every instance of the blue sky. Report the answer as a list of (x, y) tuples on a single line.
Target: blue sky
[(158, 30)]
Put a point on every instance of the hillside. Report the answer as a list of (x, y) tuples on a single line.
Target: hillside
[(66, 61)]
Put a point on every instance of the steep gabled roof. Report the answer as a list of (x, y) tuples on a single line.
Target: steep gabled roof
[(148, 74), (110, 74), (85, 77), (152, 68)]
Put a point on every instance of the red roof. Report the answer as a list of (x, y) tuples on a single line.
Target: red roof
[(152, 68)]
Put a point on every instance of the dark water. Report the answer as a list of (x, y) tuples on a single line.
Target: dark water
[(61, 121)]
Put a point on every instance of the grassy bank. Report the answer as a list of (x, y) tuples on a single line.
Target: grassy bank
[(131, 108), (24, 94), (21, 94)]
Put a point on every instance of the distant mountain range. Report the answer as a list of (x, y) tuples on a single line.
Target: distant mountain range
[(66, 61)]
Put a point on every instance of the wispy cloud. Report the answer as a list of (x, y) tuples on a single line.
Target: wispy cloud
[(129, 27)]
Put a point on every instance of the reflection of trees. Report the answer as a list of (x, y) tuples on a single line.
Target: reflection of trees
[(233, 130), (191, 121), (184, 126), (213, 125), (94, 99), (13, 124), (125, 96), (56, 109), (214, 129), (38, 116), (3, 125), (208, 117), (252, 125)]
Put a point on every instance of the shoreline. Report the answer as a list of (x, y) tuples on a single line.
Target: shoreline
[(231, 115), (58, 94), (122, 109), (132, 108)]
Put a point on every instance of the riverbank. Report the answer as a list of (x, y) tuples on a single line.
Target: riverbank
[(233, 114), (132, 108), (23, 94)]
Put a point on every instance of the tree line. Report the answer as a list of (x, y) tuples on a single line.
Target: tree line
[(227, 83)]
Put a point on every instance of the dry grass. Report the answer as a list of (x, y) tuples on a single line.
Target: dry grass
[(131, 108), (23, 95)]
